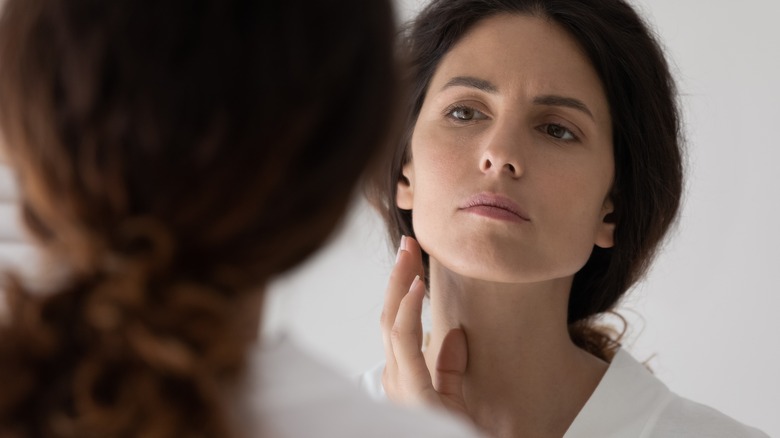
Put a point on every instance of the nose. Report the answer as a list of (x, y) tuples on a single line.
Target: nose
[(489, 163), (502, 153)]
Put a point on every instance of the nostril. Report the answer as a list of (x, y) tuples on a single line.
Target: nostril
[(511, 167)]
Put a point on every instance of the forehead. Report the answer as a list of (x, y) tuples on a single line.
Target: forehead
[(524, 56)]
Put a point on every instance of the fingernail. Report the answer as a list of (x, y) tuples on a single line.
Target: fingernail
[(401, 247), (414, 283)]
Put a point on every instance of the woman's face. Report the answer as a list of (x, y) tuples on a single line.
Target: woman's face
[(512, 159)]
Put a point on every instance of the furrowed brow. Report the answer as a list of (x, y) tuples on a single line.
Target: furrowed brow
[(472, 82), (568, 102)]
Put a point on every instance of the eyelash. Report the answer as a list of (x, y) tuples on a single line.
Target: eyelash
[(451, 109), (542, 128), (545, 127)]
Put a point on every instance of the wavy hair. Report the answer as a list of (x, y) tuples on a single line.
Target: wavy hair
[(172, 156), (646, 130)]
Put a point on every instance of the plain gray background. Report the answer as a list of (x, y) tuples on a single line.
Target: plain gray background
[(707, 315)]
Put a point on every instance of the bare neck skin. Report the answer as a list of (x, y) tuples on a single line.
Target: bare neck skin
[(524, 377)]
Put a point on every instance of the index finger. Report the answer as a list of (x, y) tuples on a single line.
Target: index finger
[(413, 248), (408, 265)]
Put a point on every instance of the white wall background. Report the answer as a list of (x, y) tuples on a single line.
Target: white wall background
[(708, 312)]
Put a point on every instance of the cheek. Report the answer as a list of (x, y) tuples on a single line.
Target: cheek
[(438, 172), (438, 154), (574, 208), (433, 199), (439, 164)]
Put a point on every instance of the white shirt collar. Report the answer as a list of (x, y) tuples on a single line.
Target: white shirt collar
[(625, 402)]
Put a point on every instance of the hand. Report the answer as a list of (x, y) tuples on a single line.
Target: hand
[(406, 378)]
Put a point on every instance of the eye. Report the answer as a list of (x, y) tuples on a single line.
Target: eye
[(559, 132), (465, 114)]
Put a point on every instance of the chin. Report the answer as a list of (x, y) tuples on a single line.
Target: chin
[(496, 269), (496, 258), (487, 269)]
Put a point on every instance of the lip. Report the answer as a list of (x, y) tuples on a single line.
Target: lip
[(495, 206)]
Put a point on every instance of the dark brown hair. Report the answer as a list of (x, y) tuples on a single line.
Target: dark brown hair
[(646, 131), (172, 156)]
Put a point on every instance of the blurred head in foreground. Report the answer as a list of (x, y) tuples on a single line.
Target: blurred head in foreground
[(172, 157)]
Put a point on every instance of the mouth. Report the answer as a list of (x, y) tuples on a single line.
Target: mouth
[(495, 206)]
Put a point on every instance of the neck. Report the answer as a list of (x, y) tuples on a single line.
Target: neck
[(524, 377)]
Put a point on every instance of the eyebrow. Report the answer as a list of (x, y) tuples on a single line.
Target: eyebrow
[(470, 81), (568, 102), (545, 100)]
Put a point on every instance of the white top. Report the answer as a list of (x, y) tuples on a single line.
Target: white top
[(16, 252), (631, 402), (15, 249), (291, 395)]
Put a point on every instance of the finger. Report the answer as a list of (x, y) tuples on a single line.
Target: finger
[(401, 278), (451, 365), (408, 265), (406, 339), (413, 248)]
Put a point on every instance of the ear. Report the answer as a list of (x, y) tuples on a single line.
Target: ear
[(605, 233), (404, 196)]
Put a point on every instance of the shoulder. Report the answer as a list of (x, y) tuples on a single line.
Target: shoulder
[(293, 395), (683, 418), (630, 401)]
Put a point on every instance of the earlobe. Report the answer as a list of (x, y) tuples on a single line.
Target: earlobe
[(404, 197), (605, 235)]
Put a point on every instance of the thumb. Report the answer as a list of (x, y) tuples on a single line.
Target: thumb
[(451, 365)]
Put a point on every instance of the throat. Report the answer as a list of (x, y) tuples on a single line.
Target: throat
[(524, 377)]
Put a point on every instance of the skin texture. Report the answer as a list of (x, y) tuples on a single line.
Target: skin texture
[(514, 110), (561, 184)]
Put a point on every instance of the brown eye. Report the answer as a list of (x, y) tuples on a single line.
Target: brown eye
[(465, 114), (559, 132)]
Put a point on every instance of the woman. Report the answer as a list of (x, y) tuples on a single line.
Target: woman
[(172, 158), (541, 170)]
